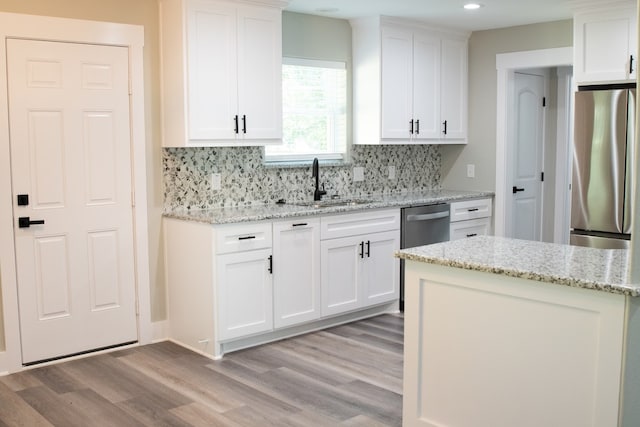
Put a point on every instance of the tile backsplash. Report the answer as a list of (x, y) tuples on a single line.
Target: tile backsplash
[(247, 180)]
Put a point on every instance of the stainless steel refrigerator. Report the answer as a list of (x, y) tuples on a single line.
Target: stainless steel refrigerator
[(601, 187)]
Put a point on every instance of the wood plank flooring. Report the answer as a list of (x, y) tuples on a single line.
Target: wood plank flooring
[(349, 375)]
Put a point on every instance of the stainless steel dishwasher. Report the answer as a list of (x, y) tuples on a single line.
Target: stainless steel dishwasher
[(422, 225)]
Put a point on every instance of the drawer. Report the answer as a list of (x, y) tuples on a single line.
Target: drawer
[(242, 237), (362, 222), (470, 209), (470, 228)]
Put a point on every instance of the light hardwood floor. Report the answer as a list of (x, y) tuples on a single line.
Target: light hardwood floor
[(350, 375)]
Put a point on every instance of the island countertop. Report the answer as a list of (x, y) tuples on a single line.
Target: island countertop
[(599, 269)]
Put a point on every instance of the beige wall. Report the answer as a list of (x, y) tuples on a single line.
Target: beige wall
[(139, 12), (481, 147)]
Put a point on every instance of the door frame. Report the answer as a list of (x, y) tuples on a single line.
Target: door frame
[(506, 65), (14, 25)]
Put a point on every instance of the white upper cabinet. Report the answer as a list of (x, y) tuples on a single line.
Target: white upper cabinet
[(221, 73), (410, 83), (605, 45)]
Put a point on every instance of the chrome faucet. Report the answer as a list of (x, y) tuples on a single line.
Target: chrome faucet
[(315, 173)]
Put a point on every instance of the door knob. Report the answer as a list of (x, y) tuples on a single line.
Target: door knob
[(26, 222), (517, 190)]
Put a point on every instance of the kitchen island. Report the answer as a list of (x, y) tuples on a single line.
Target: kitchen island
[(503, 332)]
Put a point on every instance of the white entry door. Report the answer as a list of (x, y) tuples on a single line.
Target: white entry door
[(527, 160), (71, 158)]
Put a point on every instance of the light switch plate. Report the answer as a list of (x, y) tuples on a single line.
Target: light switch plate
[(471, 171), (216, 181), (358, 173), (392, 172)]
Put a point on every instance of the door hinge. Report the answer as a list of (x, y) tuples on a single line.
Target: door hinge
[(544, 101), (542, 176)]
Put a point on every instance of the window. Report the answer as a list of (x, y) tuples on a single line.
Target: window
[(314, 106)]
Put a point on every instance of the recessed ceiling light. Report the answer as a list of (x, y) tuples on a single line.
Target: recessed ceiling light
[(472, 6), (327, 9)]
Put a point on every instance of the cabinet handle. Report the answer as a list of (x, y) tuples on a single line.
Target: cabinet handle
[(368, 249), (236, 128), (411, 126), (246, 237), (472, 234), (473, 209), (445, 127), (417, 127), (361, 250), (630, 64), (300, 224), (244, 124), (271, 264)]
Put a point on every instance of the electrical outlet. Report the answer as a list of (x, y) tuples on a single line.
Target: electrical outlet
[(358, 174), (392, 172), (216, 181), (471, 171)]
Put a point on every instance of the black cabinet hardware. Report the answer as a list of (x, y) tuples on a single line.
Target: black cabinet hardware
[(237, 128), (271, 264), (246, 237), (23, 199), (630, 64), (368, 249), (473, 209), (361, 250), (445, 127), (417, 127), (300, 224), (411, 127), (472, 234), (516, 189), (26, 222), (244, 124)]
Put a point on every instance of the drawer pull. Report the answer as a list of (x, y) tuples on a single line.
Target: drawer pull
[(246, 237), (300, 224), (472, 234), (473, 209)]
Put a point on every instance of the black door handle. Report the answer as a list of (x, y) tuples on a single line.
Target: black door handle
[(368, 248), (26, 222), (361, 250), (445, 127), (244, 124), (236, 128), (411, 127), (271, 264), (417, 127), (517, 190), (631, 64)]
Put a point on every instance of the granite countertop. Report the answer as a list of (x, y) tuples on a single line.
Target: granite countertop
[(277, 211), (599, 269)]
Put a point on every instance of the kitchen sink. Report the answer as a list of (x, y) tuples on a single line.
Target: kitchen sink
[(334, 202)]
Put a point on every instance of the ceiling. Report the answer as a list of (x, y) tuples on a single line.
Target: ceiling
[(443, 13)]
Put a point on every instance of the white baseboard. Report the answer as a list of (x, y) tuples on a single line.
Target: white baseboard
[(160, 331)]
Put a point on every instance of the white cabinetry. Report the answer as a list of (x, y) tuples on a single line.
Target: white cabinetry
[(410, 83), (296, 266), (221, 73), (470, 218), (605, 44), (358, 268)]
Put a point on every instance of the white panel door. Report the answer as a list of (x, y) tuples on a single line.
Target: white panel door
[(260, 72), (527, 166), (340, 274), (397, 86), (381, 270), (426, 86), (453, 98), (296, 271), (70, 154), (212, 70)]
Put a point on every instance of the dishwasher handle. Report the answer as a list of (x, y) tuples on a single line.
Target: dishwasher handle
[(427, 217)]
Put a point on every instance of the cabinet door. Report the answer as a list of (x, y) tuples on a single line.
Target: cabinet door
[(426, 86), (296, 271), (244, 294), (260, 72), (453, 86), (381, 270), (604, 43), (341, 265), (212, 70), (397, 86)]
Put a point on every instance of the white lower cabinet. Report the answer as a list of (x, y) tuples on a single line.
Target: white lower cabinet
[(470, 218), (470, 228), (359, 270), (244, 293), (296, 271)]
